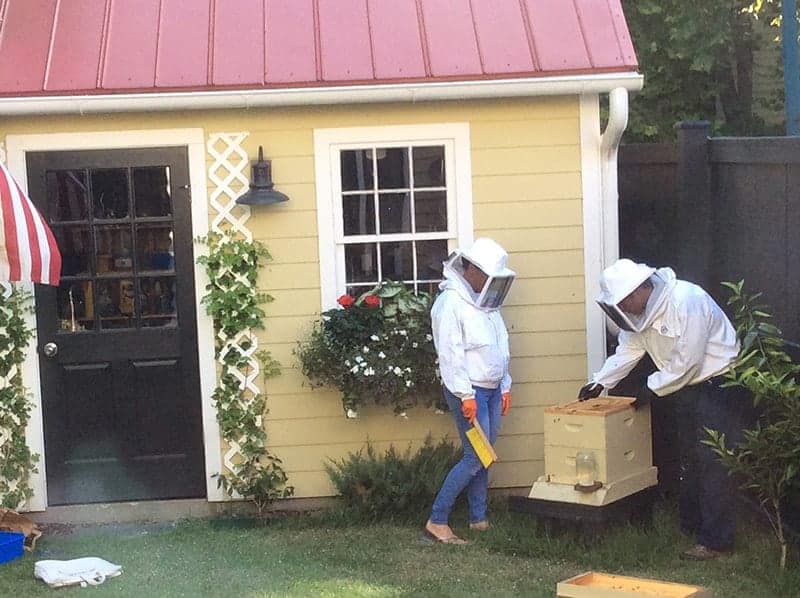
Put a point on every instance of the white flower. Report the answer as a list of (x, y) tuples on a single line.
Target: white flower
[(359, 359), (382, 355), (369, 372), (398, 372), (354, 369), (402, 332), (347, 362), (408, 369), (375, 337), (365, 349), (414, 345), (428, 337), (409, 383)]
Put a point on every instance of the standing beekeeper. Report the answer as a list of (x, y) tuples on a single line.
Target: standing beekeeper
[(472, 345), (692, 343)]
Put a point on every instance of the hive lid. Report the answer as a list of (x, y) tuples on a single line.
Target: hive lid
[(601, 406)]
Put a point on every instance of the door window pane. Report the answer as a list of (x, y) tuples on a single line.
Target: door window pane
[(75, 245), (69, 193), (396, 261), (114, 249), (358, 214), (116, 303), (110, 193), (430, 211), (152, 194), (395, 212), (429, 166), (361, 262), (154, 247), (75, 305), (158, 301)]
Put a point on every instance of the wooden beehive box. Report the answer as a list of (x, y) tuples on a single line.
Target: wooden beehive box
[(603, 585), (618, 436)]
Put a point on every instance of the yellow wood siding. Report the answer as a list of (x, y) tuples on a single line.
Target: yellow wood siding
[(527, 195)]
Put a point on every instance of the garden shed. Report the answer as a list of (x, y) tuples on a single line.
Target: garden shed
[(133, 126)]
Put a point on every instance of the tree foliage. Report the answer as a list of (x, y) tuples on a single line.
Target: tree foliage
[(697, 61)]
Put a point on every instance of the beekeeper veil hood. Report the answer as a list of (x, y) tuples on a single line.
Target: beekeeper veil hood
[(491, 259), (621, 279)]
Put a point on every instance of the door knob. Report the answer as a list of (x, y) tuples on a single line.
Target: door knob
[(50, 349)]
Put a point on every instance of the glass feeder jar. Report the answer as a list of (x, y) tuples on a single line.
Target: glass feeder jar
[(586, 468)]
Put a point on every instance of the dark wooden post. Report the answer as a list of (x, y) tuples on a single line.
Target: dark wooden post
[(694, 225)]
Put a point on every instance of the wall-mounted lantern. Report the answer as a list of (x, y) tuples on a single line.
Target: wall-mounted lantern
[(261, 192)]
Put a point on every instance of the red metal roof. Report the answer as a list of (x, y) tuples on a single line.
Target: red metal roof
[(77, 47)]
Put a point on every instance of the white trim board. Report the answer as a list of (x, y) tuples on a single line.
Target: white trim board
[(593, 230), (194, 141)]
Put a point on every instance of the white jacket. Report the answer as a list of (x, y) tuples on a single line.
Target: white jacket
[(689, 338), (472, 343)]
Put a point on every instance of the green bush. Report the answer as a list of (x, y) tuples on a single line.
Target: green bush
[(392, 485)]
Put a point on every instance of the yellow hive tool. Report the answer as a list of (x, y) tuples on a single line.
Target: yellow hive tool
[(483, 448)]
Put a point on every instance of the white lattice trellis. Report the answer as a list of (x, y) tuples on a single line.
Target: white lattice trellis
[(227, 176)]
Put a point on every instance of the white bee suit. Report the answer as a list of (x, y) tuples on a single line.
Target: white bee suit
[(469, 333), (685, 332)]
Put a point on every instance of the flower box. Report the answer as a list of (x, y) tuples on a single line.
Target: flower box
[(603, 585), (11, 546)]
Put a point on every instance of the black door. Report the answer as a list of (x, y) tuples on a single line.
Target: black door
[(117, 340)]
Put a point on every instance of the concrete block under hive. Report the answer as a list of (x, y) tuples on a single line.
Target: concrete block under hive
[(604, 437)]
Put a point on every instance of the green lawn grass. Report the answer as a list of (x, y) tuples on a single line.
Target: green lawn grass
[(329, 555)]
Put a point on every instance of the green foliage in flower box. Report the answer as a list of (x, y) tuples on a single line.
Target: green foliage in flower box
[(377, 347)]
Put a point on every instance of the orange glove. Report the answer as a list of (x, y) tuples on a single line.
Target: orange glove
[(506, 403), (469, 409)]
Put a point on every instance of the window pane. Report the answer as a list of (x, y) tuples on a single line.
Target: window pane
[(110, 193), (395, 212), (430, 255), (356, 291), (358, 213), (429, 166), (393, 168), (70, 195), (396, 261), (154, 247), (115, 303), (75, 306), (430, 211), (361, 262), (114, 249), (75, 245), (152, 193), (356, 170), (158, 301)]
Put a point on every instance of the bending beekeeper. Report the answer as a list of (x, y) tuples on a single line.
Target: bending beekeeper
[(692, 343), (472, 346)]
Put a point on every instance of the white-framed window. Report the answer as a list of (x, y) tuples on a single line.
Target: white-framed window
[(392, 203)]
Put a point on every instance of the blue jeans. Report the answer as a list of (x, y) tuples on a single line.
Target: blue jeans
[(707, 494), (469, 473)]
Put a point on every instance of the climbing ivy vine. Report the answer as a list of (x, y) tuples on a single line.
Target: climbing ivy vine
[(234, 303), (17, 463)]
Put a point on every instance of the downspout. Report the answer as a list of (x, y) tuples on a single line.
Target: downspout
[(609, 148)]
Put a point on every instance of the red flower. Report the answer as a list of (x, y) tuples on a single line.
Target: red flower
[(372, 301), (345, 301)]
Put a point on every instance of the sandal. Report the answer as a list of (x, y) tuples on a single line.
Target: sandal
[(427, 535), (481, 526)]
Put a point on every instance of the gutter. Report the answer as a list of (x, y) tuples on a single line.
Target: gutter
[(351, 94)]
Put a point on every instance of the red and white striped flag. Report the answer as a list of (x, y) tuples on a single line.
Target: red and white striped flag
[(28, 249)]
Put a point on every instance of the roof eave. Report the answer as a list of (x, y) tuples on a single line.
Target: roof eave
[(350, 94)]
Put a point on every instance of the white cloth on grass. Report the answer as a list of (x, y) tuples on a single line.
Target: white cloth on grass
[(85, 571)]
